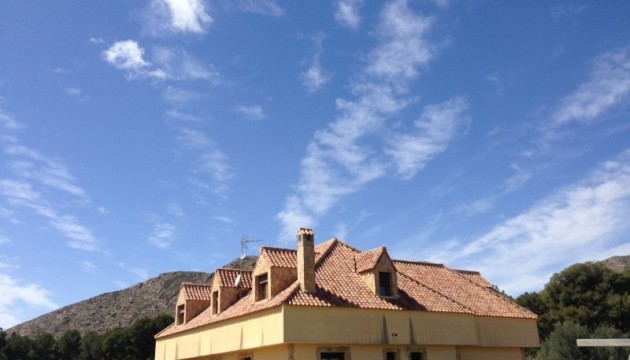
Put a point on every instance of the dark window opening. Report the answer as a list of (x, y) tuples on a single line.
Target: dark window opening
[(390, 355), (385, 284), (416, 356), (332, 356), (180, 314), (215, 302), (261, 287)]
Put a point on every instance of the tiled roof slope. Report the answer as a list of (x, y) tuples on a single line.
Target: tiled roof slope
[(421, 286), (368, 259), (227, 278), (280, 257), (475, 277), (196, 292)]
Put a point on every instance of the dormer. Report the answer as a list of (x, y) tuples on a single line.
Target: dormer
[(191, 301), (378, 272), (275, 270), (228, 286)]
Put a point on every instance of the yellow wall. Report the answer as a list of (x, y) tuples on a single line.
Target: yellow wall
[(367, 332), (361, 326), (253, 331)]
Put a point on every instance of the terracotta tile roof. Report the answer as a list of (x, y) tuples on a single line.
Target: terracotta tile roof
[(367, 260), (196, 292), (227, 277), (422, 287), (461, 289), (280, 257), (475, 277)]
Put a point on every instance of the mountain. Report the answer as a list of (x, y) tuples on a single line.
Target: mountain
[(121, 308), (617, 263)]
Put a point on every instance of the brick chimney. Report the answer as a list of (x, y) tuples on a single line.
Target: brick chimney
[(306, 259)]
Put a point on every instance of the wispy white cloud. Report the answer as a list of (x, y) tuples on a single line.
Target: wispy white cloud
[(21, 193), (435, 129), (253, 112), (140, 273), (580, 222), (8, 121), (347, 13), (16, 295), (76, 93), (315, 77), (35, 175), (4, 240), (608, 86), (263, 7), (178, 65), (209, 160), (175, 210), (176, 96), (88, 267), (338, 160), (163, 235), (177, 16), (33, 165), (223, 219), (128, 55), (96, 40)]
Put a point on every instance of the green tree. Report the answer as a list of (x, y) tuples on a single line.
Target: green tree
[(611, 353), (44, 348), (17, 347), (561, 344), (142, 334), (92, 346), (69, 345), (3, 343), (117, 345)]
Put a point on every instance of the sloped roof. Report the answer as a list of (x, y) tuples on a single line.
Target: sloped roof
[(367, 260), (421, 286), (196, 292), (227, 278), (279, 257)]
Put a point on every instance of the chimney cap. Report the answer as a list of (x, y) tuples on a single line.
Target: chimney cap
[(305, 231)]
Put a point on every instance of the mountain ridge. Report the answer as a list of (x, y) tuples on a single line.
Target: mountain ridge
[(121, 308)]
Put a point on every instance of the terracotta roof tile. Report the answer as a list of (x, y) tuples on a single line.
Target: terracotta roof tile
[(422, 287), (196, 292), (227, 278), (280, 257), (452, 284), (367, 260)]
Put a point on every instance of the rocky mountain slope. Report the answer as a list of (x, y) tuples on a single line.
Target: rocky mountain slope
[(121, 308), (617, 263)]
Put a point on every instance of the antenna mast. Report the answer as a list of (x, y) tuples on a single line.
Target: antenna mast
[(244, 241)]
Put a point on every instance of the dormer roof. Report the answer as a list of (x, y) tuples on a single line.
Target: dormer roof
[(279, 257), (196, 292), (367, 260), (228, 277)]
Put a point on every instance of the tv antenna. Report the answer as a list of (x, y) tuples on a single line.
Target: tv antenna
[(244, 241)]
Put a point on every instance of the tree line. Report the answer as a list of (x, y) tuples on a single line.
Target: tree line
[(583, 301), (135, 342)]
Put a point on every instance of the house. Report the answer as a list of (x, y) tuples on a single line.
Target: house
[(334, 302)]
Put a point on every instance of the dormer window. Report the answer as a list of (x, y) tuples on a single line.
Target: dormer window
[(215, 302), (181, 312), (262, 287), (385, 283)]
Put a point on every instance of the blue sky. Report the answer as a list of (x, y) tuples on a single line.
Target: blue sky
[(140, 137)]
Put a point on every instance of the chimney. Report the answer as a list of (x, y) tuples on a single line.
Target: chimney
[(306, 259)]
